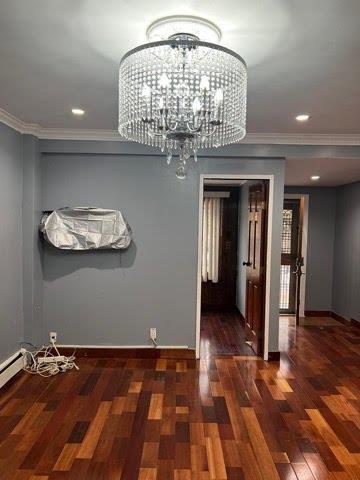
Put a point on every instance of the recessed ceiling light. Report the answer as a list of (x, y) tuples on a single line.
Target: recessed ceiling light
[(303, 117), (78, 111), (315, 177)]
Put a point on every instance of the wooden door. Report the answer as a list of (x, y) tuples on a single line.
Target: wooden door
[(222, 295), (289, 253), (255, 266)]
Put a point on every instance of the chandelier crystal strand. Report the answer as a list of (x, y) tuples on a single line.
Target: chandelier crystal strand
[(182, 95)]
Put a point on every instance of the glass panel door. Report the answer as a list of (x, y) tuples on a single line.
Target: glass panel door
[(289, 252)]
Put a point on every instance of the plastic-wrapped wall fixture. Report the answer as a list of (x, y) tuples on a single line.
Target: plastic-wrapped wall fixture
[(86, 228)]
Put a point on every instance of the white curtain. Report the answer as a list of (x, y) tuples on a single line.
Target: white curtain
[(210, 239)]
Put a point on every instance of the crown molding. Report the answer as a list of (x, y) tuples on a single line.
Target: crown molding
[(17, 124), (113, 136), (68, 134), (302, 139)]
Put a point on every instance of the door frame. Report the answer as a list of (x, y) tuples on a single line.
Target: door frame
[(236, 177), (304, 207)]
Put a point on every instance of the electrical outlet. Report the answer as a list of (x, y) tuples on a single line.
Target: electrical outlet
[(53, 337), (153, 333)]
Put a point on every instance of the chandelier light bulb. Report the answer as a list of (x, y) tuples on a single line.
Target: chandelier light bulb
[(196, 106), (204, 83), (146, 92), (164, 81), (219, 97)]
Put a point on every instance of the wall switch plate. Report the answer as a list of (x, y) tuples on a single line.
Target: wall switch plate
[(53, 337), (153, 333)]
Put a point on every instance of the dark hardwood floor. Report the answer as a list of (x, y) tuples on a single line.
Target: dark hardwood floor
[(223, 417), (222, 333)]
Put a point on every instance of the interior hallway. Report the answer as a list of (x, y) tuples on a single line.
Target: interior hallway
[(233, 417), (223, 333)]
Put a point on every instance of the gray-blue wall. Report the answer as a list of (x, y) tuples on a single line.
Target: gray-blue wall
[(11, 292), (346, 285), (114, 298), (32, 246), (321, 237)]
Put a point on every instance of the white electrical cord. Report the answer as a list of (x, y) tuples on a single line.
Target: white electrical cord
[(35, 364)]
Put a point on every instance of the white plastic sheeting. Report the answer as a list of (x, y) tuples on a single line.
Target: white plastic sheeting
[(86, 228), (210, 239)]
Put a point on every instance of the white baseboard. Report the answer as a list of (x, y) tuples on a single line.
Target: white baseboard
[(9, 368)]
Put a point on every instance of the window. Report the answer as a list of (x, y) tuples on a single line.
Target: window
[(211, 239)]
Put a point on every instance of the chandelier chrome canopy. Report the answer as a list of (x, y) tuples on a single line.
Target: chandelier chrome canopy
[(182, 94)]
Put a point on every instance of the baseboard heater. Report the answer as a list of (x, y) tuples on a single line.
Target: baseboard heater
[(11, 367)]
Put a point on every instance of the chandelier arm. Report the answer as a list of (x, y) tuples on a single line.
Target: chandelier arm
[(193, 129), (154, 133), (213, 130)]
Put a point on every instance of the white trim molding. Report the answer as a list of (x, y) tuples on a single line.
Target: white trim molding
[(113, 136), (68, 134), (17, 124), (218, 176), (302, 139), (9, 367)]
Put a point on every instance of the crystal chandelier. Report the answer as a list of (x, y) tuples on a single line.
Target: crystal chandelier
[(182, 94)]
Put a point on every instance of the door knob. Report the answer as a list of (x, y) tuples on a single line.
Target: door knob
[(248, 264)]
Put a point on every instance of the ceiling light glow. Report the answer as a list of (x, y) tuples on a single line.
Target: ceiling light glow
[(315, 177), (78, 111), (303, 117)]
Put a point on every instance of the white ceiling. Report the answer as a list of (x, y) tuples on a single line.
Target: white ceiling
[(302, 57), (332, 171)]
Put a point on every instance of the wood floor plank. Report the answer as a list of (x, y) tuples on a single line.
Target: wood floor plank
[(215, 458), (259, 445), (156, 404), (227, 417), (92, 436), (67, 457)]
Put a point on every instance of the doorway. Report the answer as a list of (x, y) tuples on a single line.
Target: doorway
[(293, 245), (220, 247), (218, 281), (222, 325), (289, 254)]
